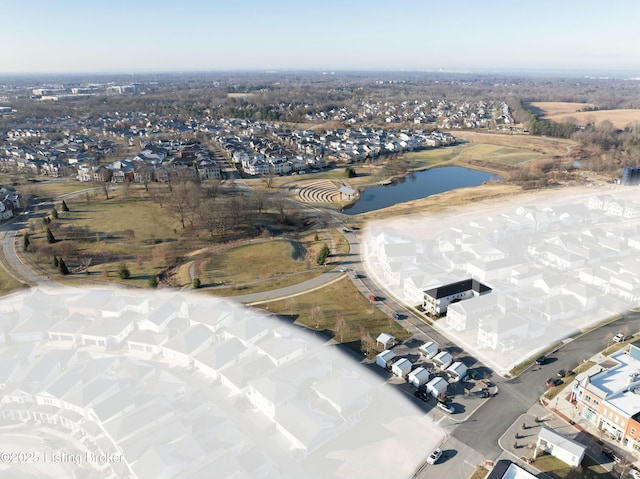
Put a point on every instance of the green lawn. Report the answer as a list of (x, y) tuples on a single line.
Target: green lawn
[(256, 261), (557, 469), (323, 309), (498, 154), (114, 216)]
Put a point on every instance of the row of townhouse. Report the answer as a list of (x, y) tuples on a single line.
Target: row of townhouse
[(525, 277), (608, 396), (257, 154)]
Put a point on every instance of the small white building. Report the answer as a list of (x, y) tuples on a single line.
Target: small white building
[(565, 449), (437, 387), (385, 340), (418, 377), (443, 359), (457, 371), (429, 350), (401, 367), (384, 358)]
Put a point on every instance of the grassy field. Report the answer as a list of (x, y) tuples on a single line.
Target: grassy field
[(560, 470), (130, 230), (339, 302), (114, 216), (261, 260), (432, 157), (497, 154), (275, 263), (53, 189)]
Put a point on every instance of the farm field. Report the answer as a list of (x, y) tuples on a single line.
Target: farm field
[(558, 107), (560, 112)]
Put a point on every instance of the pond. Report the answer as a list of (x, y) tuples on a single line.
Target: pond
[(416, 186)]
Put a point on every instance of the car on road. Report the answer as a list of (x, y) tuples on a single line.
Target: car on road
[(564, 373), (618, 338), (434, 456), (396, 316), (343, 270), (553, 382), (446, 407), (541, 360), (354, 275), (634, 474)]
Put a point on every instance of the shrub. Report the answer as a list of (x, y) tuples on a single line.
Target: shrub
[(196, 283), (153, 282), (123, 271)]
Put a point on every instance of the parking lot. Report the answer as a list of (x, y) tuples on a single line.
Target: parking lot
[(463, 396)]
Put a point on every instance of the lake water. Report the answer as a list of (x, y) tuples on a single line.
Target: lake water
[(418, 185)]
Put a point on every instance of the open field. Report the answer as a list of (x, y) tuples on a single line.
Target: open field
[(545, 146), (557, 107), (339, 310), (240, 95), (619, 118)]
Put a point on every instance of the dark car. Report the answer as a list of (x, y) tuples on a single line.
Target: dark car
[(609, 453), (563, 373), (420, 394), (541, 360), (396, 316), (553, 382)]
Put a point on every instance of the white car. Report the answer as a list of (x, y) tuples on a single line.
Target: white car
[(343, 270), (618, 338), (634, 473), (446, 407), (435, 455)]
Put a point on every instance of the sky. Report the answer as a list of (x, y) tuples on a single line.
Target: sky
[(123, 36)]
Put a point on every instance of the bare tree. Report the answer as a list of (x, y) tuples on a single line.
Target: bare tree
[(316, 316), (340, 326)]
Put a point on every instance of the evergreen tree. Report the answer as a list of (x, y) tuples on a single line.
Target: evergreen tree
[(50, 237), (153, 282), (123, 271), (323, 254), (56, 262), (54, 214), (196, 283), (64, 206), (25, 241), (62, 267)]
